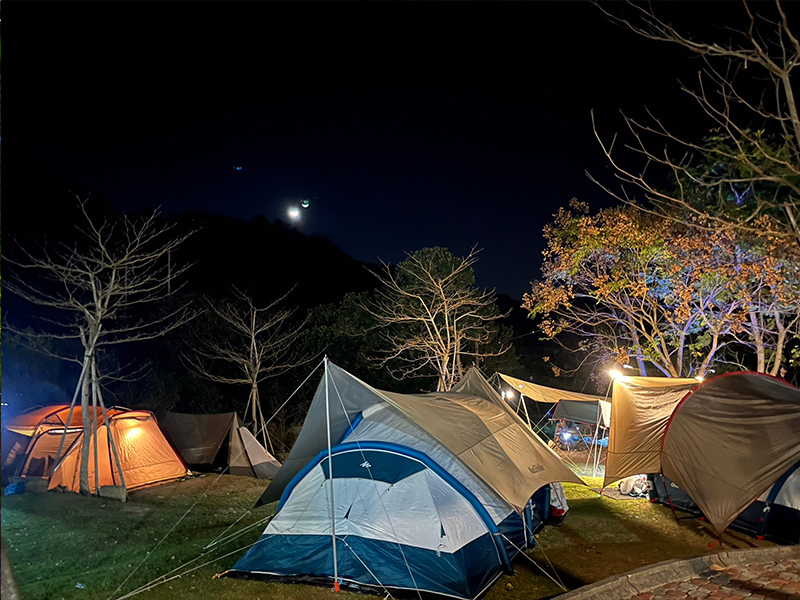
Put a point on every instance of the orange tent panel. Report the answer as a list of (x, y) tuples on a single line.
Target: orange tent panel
[(145, 455)]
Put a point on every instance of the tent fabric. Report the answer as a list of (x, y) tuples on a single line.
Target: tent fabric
[(641, 408), (145, 455), (590, 413), (49, 417), (509, 458), (775, 515), (200, 438), (409, 492), (746, 428), (31, 439), (540, 393)]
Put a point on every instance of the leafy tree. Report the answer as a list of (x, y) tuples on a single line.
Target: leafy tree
[(746, 89), (433, 317), (638, 288)]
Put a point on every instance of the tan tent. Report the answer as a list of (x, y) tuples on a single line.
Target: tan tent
[(221, 440), (145, 455), (490, 441), (640, 410), (730, 440)]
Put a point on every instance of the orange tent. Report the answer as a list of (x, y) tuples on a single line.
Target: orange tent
[(31, 440), (145, 455)]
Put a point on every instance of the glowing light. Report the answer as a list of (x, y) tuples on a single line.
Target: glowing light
[(305, 204), (699, 378), (132, 433), (509, 395), (294, 213), (614, 374)]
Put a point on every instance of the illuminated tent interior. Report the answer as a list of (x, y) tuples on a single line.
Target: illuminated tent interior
[(145, 455), (31, 439)]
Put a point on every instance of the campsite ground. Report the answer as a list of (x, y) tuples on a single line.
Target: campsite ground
[(67, 546)]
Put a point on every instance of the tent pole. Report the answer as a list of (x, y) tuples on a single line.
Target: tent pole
[(330, 475), (592, 456), (525, 406)]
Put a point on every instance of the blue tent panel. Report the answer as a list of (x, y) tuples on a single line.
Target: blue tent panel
[(369, 464), (373, 564)]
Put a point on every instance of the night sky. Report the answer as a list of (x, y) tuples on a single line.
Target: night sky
[(405, 124)]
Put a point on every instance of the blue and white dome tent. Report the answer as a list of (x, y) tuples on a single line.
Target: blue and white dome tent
[(433, 493)]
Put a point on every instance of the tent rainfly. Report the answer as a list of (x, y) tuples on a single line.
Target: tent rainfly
[(219, 439), (725, 442), (382, 491)]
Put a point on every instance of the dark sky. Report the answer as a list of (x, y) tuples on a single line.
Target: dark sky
[(406, 124)]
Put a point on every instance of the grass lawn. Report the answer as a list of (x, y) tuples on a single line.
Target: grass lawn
[(67, 546)]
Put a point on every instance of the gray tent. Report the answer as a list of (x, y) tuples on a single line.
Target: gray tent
[(201, 440)]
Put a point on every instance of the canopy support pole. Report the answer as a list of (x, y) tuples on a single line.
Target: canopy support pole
[(330, 475)]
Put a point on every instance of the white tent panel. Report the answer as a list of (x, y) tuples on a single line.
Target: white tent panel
[(411, 512), (384, 424)]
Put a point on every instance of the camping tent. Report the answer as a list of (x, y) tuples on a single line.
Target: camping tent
[(31, 439), (725, 442), (640, 410), (219, 439), (429, 492), (146, 457)]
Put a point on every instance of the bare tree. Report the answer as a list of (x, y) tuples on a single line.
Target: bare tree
[(432, 316), (260, 346), (746, 89), (96, 291)]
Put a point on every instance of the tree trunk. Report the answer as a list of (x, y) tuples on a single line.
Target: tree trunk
[(87, 436), (758, 340)]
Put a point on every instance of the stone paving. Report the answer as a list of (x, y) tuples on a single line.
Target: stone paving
[(770, 580)]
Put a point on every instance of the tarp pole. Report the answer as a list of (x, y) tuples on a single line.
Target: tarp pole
[(592, 456), (330, 475), (525, 406)]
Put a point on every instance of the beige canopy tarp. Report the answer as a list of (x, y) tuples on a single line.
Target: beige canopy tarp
[(730, 440), (640, 409), (540, 393), (490, 441)]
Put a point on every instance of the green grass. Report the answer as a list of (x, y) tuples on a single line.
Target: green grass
[(57, 541)]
